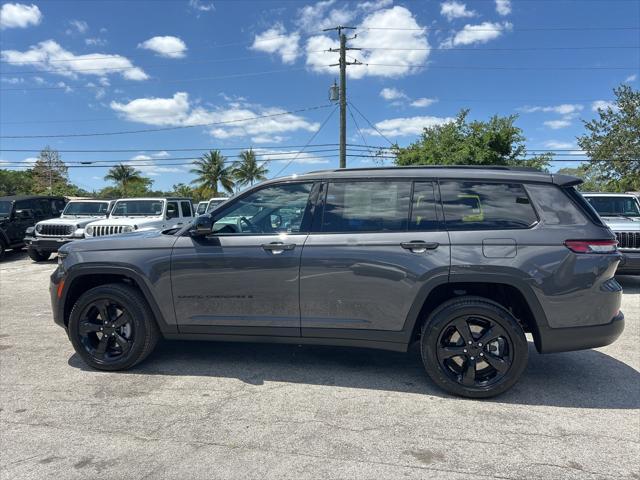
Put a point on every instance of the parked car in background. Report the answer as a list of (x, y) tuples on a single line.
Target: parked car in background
[(19, 212), (621, 213), (201, 208), (49, 235), (136, 214), (215, 203), (463, 261)]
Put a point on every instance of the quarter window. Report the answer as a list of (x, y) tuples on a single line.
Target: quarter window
[(381, 206), (486, 206), (270, 210)]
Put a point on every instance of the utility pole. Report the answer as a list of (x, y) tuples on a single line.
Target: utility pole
[(343, 87)]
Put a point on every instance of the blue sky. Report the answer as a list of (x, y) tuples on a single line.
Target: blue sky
[(83, 67)]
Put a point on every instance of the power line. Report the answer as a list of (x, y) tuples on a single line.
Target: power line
[(357, 127), (146, 149), (505, 49), (519, 29), (371, 124), (473, 67), (163, 129), (308, 143)]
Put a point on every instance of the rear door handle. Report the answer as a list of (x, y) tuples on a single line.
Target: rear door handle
[(278, 247), (418, 246)]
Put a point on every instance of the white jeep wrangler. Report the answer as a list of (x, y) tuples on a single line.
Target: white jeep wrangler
[(47, 236), (136, 214)]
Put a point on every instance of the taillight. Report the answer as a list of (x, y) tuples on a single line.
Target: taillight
[(592, 246)]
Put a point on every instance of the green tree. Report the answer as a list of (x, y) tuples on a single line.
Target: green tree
[(49, 173), (16, 182), (461, 142), (612, 141), (128, 180), (592, 182), (182, 190), (247, 170), (210, 170)]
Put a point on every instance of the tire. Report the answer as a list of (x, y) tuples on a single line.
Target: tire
[(38, 256), (2, 250), (464, 365), (127, 344)]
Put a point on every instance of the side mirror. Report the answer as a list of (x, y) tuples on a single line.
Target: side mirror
[(203, 226)]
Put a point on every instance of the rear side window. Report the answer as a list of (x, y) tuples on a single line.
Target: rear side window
[(470, 205), (423, 207), (186, 209), (377, 206), (556, 206)]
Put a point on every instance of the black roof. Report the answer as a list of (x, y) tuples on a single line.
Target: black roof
[(13, 198), (501, 173)]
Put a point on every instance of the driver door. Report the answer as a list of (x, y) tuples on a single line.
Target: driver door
[(244, 278)]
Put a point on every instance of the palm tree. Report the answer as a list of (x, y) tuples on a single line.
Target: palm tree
[(123, 175), (211, 171), (248, 170)]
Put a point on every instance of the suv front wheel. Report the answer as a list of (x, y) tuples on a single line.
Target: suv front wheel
[(111, 327), (37, 256), (473, 347)]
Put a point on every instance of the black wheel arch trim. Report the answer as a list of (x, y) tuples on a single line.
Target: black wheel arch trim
[(76, 272)]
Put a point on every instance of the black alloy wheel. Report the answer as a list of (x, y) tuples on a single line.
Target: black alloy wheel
[(473, 347), (112, 327)]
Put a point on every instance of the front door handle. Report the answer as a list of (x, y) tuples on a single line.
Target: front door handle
[(418, 246), (278, 247)]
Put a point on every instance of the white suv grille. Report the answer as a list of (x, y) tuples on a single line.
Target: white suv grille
[(102, 230), (50, 230), (628, 240)]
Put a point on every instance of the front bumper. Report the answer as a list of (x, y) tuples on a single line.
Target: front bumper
[(581, 338), (47, 244), (630, 263), (57, 306)]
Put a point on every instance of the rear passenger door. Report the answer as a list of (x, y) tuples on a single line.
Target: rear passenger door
[(374, 245)]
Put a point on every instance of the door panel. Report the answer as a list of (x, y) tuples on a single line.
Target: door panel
[(232, 281), (367, 280)]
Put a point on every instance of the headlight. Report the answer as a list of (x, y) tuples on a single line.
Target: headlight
[(38, 228), (89, 230), (127, 229), (79, 233)]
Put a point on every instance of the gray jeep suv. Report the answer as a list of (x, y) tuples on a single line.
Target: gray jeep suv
[(464, 261)]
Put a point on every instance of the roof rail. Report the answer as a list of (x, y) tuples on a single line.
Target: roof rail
[(435, 167)]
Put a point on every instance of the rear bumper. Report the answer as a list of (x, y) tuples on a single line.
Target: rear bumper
[(581, 338), (46, 244), (630, 264)]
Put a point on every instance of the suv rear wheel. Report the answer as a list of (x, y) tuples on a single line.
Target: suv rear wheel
[(37, 256), (473, 347), (112, 327)]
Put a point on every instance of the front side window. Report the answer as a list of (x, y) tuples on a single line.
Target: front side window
[(270, 210), (5, 208), (471, 205), (86, 208), (202, 207), (369, 206), (137, 208), (172, 210), (213, 204)]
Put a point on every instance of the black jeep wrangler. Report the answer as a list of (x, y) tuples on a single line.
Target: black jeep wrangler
[(19, 212)]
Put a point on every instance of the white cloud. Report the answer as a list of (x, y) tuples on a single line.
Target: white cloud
[(268, 139), (146, 165), (603, 105), (95, 42), (393, 94), (320, 15), (408, 126), (556, 145), (558, 124), (503, 7), (165, 46), (201, 6), (77, 26), (239, 116), (48, 55), (631, 78), (481, 33), (276, 40), (406, 34), (423, 102), (372, 5), (281, 157), (162, 154), (562, 109), (12, 80), (453, 9), (19, 15)]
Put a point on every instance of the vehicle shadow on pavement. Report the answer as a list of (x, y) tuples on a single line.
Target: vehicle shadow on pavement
[(586, 379)]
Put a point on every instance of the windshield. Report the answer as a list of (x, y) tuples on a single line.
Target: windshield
[(86, 208), (5, 208), (202, 207), (126, 208), (615, 206), (213, 204)]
